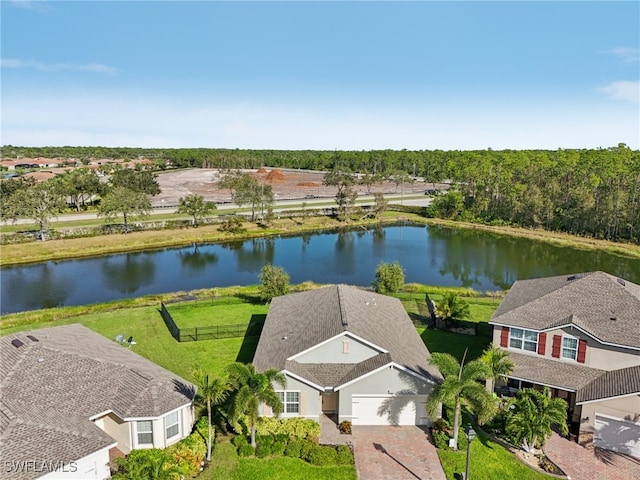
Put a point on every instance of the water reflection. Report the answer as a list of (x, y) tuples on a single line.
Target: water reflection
[(431, 255), (129, 273)]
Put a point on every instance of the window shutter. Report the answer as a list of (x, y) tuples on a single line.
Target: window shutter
[(504, 337), (582, 351), (557, 341), (542, 343)]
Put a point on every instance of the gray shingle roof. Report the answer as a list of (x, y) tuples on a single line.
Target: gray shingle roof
[(587, 300), (299, 321), (545, 371), (50, 389), (611, 384)]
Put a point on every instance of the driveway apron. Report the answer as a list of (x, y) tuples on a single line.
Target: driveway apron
[(395, 453), (588, 463)]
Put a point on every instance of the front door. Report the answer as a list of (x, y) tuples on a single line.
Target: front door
[(329, 402)]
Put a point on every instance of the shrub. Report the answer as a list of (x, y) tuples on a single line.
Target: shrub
[(440, 439), (345, 427), (344, 455), (246, 450), (294, 449), (278, 447), (263, 450), (291, 427), (462, 439), (306, 449), (239, 440), (267, 440), (322, 456), (232, 225), (441, 425), (189, 452)]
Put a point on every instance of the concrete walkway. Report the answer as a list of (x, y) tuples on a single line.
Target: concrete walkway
[(588, 463)]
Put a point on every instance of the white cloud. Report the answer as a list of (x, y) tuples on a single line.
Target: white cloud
[(57, 67), (623, 90), (164, 123), (628, 55), (35, 5)]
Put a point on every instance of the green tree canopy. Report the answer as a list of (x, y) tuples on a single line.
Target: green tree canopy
[(128, 203), (251, 390), (137, 181), (461, 387), (535, 413), (500, 366), (196, 207), (453, 306), (274, 282), (389, 278), (212, 391)]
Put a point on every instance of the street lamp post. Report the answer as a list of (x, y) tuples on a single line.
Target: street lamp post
[(471, 434)]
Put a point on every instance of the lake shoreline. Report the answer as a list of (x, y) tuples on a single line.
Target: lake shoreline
[(77, 248)]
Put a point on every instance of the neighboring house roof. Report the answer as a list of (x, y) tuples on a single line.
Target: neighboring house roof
[(615, 383), (53, 386), (602, 305), (546, 371), (300, 321)]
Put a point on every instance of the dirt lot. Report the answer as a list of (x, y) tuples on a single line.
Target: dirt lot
[(286, 184)]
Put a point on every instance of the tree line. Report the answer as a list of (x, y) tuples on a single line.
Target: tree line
[(592, 192)]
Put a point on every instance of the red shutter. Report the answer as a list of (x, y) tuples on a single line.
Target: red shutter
[(504, 337), (557, 341), (542, 343), (582, 350)]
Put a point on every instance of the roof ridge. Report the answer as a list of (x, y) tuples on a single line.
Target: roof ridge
[(343, 312)]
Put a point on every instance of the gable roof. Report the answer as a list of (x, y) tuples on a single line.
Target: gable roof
[(53, 386), (300, 321), (602, 305)]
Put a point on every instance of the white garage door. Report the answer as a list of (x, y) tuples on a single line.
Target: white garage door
[(617, 435), (389, 410)]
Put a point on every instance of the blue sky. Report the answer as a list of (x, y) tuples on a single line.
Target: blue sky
[(321, 75)]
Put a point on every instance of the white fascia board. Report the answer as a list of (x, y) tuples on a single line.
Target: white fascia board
[(368, 374), (341, 334), (303, 380), (102, 414), (604, 399), (136, 419), (415, 374), (616, 418)]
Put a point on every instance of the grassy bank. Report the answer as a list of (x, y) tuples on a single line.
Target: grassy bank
[(156, 239)]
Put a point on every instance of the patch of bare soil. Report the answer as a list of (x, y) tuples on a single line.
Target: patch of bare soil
[(539, 462), (262, 170), (307, 184), (275, 176)]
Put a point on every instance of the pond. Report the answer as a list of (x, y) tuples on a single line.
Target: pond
[(431, 255)]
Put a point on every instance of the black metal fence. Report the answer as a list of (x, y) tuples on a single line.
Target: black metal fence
[(212, 332)]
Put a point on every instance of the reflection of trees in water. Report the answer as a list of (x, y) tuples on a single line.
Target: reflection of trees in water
[(378, 237), (40, 288), (251, 255), (197, 260), (469, 255), (127, 275), (345, 253)]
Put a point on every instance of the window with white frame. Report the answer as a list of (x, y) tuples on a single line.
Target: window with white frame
[(171, 425), (569, 347), (290, 402), (523, 339), (145, 432)]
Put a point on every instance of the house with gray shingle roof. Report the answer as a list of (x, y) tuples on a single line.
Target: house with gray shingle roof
[(579, 335), (348, 353), (70, 397)]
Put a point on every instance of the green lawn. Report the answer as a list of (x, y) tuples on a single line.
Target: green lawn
[(453, 343), (489, 461), (206, 313)]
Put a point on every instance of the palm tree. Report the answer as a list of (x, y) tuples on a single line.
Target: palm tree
[(146, 464), (211, 391), (534, 414), (461, 387), (254, 388), (452, 306), (499, 363)]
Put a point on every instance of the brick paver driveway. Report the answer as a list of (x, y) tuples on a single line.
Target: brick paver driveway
[(395, 453), (582, 463)]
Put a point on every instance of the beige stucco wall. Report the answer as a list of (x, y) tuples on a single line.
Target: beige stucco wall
[(310, 400), (334, 352), (625, 408), (603, 357), (118, 429)]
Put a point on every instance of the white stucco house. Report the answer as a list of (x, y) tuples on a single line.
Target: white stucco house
[(348, 353), (70, 397)]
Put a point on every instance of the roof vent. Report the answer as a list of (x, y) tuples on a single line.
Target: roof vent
[(621, 281), (32, 338), (16, 343), (613, 316)]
